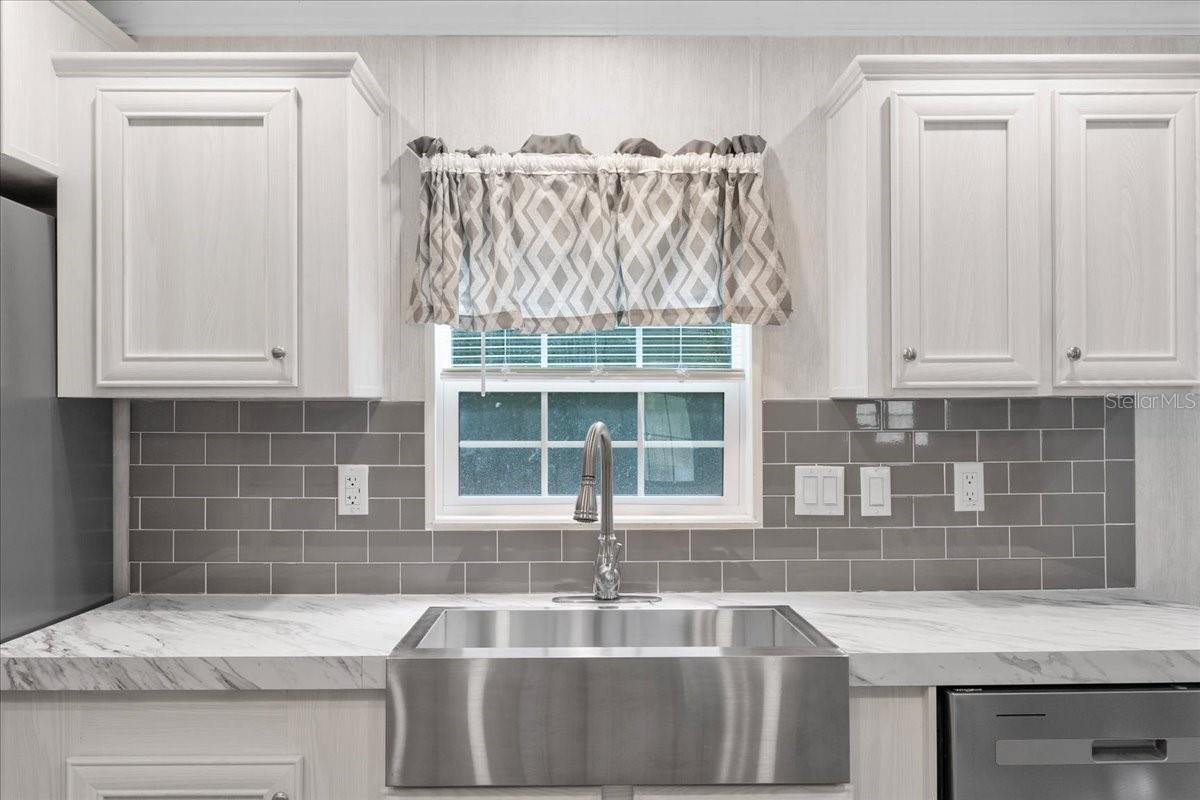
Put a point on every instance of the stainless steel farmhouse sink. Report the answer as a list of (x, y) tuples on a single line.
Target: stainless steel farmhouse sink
[(616, 696)]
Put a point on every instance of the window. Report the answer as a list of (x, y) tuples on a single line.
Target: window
[(676, 401)]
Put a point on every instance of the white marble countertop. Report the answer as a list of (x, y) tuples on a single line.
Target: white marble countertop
[(248, 642)]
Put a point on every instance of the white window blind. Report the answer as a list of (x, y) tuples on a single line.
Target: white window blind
[(693, 347)]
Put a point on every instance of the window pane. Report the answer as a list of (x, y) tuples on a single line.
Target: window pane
[(685, 470), (572, 413), (615, 348), (499, 470), (504, 348), (565, 464), (685, 416), (500, 416)]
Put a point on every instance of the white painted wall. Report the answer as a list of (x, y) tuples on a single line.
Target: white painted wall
[(498, 90)]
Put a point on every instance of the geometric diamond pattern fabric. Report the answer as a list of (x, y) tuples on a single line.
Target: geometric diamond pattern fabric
[(563, 242)]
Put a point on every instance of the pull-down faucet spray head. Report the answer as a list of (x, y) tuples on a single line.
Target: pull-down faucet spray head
[(585, 502)]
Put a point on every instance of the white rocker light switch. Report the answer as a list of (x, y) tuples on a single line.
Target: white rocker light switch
[(820, 491), (876, 488)]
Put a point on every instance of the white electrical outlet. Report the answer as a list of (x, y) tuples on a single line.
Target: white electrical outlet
[(352, 490), (968, 486)]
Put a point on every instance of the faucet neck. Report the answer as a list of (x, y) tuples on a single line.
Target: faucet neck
[(598, 436)]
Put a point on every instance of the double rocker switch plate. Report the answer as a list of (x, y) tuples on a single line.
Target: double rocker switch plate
[(821, 491)]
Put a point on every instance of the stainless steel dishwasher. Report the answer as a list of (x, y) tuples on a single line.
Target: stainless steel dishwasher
[(1097, 743)]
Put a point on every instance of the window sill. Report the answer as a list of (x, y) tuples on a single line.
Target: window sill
[(560, 521)]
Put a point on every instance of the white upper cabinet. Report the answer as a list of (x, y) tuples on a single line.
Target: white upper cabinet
[(965, 223), (30, 31), (1125, 236), (219, 226), (990, 214)]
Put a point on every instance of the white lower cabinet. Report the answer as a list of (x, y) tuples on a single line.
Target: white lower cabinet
[(311, 745), (196, 778), (1008, 225), (219, 225)]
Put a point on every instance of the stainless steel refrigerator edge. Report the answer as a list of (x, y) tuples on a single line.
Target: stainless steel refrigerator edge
[(55, 455)]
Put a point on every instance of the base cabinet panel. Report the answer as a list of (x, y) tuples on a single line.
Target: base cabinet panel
[(320, 745), (229, 778)]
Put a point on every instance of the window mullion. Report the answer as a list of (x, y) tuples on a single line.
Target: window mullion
[(641, 444), (545, 445)]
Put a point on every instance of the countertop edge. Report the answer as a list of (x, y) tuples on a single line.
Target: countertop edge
[(337, 673)]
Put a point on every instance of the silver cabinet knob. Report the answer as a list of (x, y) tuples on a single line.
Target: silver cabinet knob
[(279, 796), (278, 352), (1073, 353), (908, 354)]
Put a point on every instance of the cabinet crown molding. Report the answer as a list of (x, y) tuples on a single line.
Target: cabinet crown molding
[(95, 23), (291, 65), (1052, 66)]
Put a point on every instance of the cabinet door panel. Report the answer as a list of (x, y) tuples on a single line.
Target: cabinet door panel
[(1125, 238), (965, 255), (191, 777), (196, 205)]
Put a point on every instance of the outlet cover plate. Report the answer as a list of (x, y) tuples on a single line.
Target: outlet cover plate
[(820, 491), (968, 486), (353, 492), (876, 488)]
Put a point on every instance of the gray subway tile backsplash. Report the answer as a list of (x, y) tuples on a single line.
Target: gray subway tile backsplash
[(230, 497), (239, 578), (971, 414), (237, 448), (206, 416), (368, 578), (946, 575), (303, 578)]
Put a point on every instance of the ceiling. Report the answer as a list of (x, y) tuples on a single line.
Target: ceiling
[(641, 17)]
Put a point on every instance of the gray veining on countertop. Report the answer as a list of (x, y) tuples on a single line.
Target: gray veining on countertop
[(340, 641)]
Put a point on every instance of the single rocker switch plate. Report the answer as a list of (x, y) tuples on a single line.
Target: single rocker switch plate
[(820, 491), (876, 490), (352, 490), (968, 486)]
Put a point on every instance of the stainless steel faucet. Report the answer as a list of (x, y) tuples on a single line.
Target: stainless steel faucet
[(606, 580)]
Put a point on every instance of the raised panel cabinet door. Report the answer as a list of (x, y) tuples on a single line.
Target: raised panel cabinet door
[(966, 266), (194, 778), (1125, 237), (197, 267)]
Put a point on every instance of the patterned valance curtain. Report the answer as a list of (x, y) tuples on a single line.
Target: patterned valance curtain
[(554, 239)]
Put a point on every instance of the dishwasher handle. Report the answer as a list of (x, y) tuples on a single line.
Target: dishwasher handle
[(1109, 750)]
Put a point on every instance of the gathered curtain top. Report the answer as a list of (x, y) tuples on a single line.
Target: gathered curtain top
[(570, 144), (555, 239)]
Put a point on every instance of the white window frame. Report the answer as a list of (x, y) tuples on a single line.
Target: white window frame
[(739, 507)]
